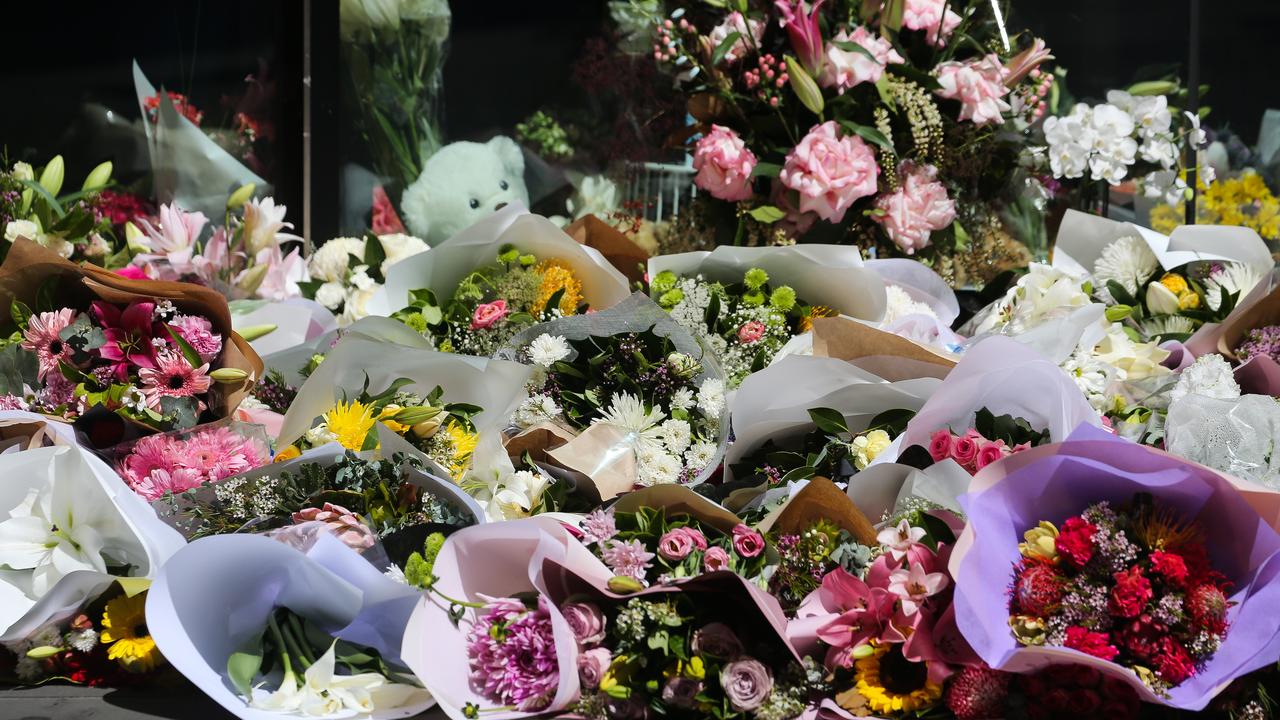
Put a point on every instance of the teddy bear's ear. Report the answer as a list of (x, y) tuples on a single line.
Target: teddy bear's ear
[(508, 152)]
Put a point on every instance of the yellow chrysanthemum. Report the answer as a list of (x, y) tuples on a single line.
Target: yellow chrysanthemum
[(288, 453), (1175, 282), (556, 276), (1245, 201), (124, 628), (351, 423), (464, 444), (893, 684)]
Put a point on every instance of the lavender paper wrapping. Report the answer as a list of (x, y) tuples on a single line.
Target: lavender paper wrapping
[(1054, 482)]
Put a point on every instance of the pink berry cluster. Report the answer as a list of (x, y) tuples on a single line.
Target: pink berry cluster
[(767, 79), (666, 47)]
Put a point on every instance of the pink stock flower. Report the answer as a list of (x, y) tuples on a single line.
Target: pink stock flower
[(724, 165), (830, 172), (43, 338), (128, 336), (486, 314), (978, 85), (914, 586), (847, 68), (173, 377), (750, 33), (199, 334), (940, 445), (747, 542), (628, 558), (804, 31), (989, 453), (927, 15), (341, 522), (751, 331), (511, 652), (916, 209), (715, 559), (900, 539)]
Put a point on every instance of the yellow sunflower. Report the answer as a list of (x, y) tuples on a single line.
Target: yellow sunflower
[(893, 684), (350, 423), (464, 444), (556, 276), (124, 628)]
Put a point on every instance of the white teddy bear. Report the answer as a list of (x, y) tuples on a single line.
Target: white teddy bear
[(461, 184)]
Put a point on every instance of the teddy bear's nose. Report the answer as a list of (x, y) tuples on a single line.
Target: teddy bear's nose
[(499, 206)]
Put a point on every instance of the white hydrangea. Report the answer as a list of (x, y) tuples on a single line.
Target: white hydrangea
[(711, 397), (546, 350), (1211, 376)]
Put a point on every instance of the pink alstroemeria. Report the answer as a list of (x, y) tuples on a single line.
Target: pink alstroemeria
[(806, 36), (900, 539), (128, 335), (914, 586)]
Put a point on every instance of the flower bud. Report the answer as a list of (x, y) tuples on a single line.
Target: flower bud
[(44, 652), (135, 239), (98, 177), (1116, 313), (229, 375), (241, 196), (426, 428), (625, 584), (54, 172), (415, 415), (804, 86), (251, 279), (1161, 300), (23, 171), (253, 332), (1153, 87), (865, 650)]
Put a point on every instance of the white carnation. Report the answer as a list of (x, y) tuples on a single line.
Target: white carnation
[(331, 295), (356, 306), (330, 261), (901, 304), (1210, 376)]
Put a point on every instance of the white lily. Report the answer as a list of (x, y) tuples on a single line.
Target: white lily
[(326, 693)]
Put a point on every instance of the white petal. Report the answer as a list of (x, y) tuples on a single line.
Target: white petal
[(24, 542)]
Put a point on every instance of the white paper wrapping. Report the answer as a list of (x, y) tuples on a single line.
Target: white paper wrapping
[(217, 592), (442, 267), (921, 283), (297, 321)]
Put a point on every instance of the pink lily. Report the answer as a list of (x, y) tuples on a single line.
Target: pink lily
[(128, 336), (914, 586), (900, 539), (806, 36)]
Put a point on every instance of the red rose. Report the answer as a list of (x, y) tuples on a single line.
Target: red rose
[(1075, 541), (1083, 703), (1171, 566), (1130, 594), (1091, 643), (1174, 664)]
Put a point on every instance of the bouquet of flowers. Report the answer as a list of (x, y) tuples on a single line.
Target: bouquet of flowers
[(76, 225), (346, 273), (1165, 609), (173, 463), (990, 439), (644, 407)]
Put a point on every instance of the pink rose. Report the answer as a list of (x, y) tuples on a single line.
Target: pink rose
[(487, 314), (964, 450), (990, 453), (917, 208), (940, 445), (675, 545), (751, 331), (927, 15), (715, 559), (830, 172), (978, 85), (592, 665), (1019, 448), (747, 542), (846, 68), (586, 621), (724, 165)]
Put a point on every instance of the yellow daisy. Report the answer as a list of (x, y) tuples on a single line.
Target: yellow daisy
[(556, 276), (350, 423), (893, 684), (124, 628), (464, 444)]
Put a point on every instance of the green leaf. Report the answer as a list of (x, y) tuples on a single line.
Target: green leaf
[(243, 667), (309, 287), (20, 313), (801, 473), (850, 46), (374, 255), (869, 134), (50, 201), (886, 93), (766, 170), (939, 531), (188, 352), (1120, 294), (919, 77), (767, 214), (892, 421), (829, 420), (724, 47)]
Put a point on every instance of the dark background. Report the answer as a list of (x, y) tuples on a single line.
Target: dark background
[(507, 59)]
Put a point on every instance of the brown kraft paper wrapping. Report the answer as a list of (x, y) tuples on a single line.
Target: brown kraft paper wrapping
[(623, 254), (885, 354)]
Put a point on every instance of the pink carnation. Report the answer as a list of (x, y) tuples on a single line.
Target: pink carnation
[(927, 15), (846, 68), (830, 172), (978, 85), (918, 207), (199, 334), (724, 165), (751, 331)]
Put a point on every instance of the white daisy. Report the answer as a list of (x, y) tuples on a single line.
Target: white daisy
[(1129, 261), (711, 397), (682, 399), (1232, 277), (546, 350), (676, 435)]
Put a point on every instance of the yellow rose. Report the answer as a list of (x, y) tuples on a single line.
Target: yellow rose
[(1041, 542), (1175, 283)]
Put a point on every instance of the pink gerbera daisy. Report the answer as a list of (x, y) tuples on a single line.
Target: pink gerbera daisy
[(162, 482), (173, 377), (44, 339), (220, 453)]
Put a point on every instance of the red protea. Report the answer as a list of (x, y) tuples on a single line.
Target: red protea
[(1208, 608), (1037, 590), (977, 693)]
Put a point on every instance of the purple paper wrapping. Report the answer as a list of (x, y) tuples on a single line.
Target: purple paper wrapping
[(1057, 481)]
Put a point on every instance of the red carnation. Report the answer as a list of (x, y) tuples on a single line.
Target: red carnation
[(976, 693), (1092, 643), (1075, 541), (1208, 607), (1143, 636), (1171, 567), (1037, 590), (1174, 663), (1130, 594)]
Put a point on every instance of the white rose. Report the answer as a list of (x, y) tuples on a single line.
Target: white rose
[(399, 246), (329, 263), (331, 295), (22, 228)]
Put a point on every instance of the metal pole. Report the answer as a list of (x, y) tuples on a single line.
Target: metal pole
[(1193, 107), (308, 233)]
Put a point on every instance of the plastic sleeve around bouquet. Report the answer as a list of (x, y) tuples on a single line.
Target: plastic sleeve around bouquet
[(497, 560), (1053, 482), (1235, 436), (496, 386), (921, 283), (635, 314), (444, 266), (1005, 377), (216, 594), (183, 459), (775, 402), (28, 266), (78, 489), (830, 275), (296, 321)]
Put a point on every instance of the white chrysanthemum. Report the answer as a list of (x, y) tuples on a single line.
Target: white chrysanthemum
[(900, 304), (682, 399), (711, 397), (676, 435), (395, 573), (1092, 376), (1232, 277), (1167, 325), (84, 640), (535, 409), (1211, 376), (626, 411), (658, 468), (546, 350), (700, 455), (1128, 261), (330, 261)]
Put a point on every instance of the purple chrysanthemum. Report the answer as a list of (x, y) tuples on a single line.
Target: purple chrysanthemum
[(627, 558), (512, 654), (599, 526)]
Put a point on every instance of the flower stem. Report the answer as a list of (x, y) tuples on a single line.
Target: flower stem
[(280, 645)]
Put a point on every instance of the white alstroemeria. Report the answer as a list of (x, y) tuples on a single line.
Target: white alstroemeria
[(509, 495), (1128, 261)]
